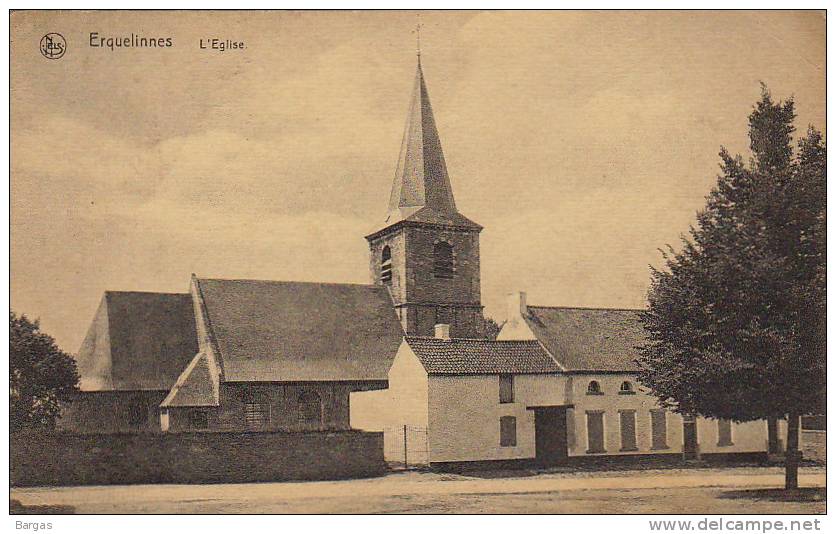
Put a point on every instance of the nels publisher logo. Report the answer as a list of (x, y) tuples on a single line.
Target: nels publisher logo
[(53, 46)]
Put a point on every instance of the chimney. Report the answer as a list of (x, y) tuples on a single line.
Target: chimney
[(442, 331), (517, 306)]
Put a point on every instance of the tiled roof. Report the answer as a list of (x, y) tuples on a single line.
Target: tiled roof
[(197, 385), (138, 341), (476, 356), (588, 339), (297, 331)]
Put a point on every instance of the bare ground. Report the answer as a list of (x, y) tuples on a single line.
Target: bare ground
[(717, 491)]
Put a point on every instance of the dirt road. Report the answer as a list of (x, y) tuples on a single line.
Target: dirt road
[(652, 491)]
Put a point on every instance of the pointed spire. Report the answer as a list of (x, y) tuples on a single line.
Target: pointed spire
[(421, 179)]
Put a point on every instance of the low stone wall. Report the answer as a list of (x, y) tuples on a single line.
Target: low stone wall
[(814, 445), (64, 459)]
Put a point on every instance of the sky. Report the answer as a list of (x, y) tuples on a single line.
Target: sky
[(582, 142)]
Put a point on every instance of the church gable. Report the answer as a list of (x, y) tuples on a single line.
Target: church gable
[(197, 386), (93, 358), (138, 341)]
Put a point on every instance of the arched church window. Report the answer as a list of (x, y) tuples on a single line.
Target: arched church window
[(626, 388), (386, 265), (310, 409), (443, 260), (594, 388)]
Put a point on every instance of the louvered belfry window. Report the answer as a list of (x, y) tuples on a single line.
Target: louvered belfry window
[(386, 265), (443, 260)]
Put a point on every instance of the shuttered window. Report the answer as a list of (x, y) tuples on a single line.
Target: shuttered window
[(255, 415), (628, 430), (506, 388), (659, 429), (724, 433), (507, 431), (595, 431)]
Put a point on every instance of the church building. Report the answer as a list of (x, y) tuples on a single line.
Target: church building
[(407, 350), (257, 355)]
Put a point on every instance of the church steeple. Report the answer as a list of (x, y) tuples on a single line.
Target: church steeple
[(427, 253), (421, 179)]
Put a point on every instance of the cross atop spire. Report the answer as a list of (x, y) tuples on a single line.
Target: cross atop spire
[(417, 32)]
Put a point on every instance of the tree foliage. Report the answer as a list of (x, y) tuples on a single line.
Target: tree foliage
[(736, 319), (40, 375), (489, 328)]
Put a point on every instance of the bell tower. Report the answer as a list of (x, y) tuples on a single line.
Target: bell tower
[(426, 252)]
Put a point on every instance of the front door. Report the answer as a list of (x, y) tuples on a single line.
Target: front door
[(550, 436), (689, 433)]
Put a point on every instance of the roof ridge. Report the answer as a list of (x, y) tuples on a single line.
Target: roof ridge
[(117, 292), (481, 340), (591, 308), (372, 286)]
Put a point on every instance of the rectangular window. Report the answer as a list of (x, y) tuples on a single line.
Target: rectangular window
[(659, 429), (595, 431), (507, 431), (724, 433), (198, 420), (628, 430), (506, 388), (255, 415)]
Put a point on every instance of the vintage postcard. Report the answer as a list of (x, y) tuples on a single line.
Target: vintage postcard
[(443, 262)]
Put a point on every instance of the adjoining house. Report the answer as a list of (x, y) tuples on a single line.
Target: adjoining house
[(558, 386)]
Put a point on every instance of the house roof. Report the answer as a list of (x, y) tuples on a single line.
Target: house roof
[(588, 339), (300, 331), (478, 356), (196, 386), (138, 341)]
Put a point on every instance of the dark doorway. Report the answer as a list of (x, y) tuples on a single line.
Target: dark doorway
[(550, 436), (689, 434)]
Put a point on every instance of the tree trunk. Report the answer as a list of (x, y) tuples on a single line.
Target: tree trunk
[(792, 455), (772, 435)]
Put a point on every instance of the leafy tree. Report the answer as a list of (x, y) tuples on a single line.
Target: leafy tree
[(736, 319), (489, 328), (40, 375)]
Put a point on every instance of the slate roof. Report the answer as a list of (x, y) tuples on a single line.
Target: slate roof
[(197, 385), (588, 339), (301, 331), (421, 190), (138, 341), (477, 356)]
